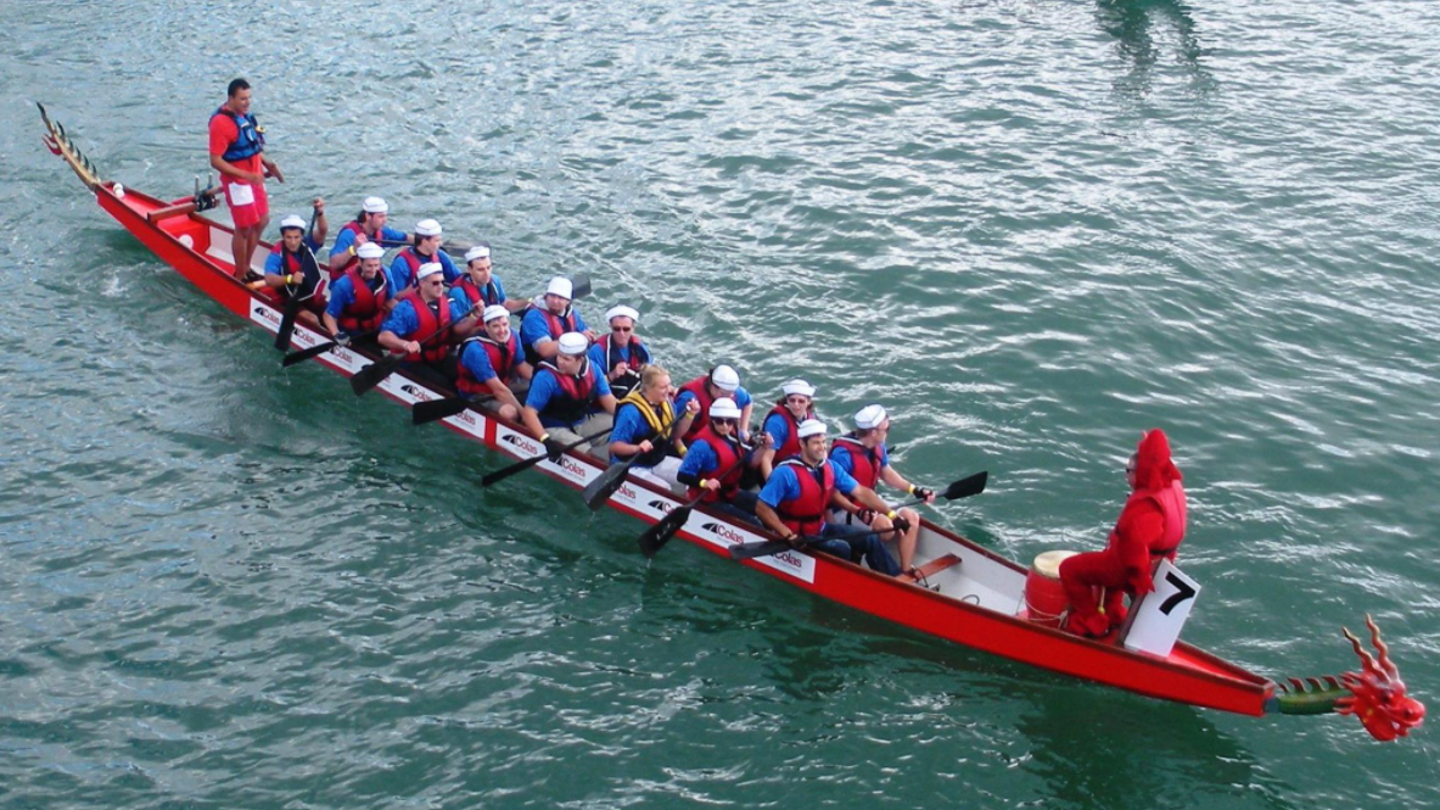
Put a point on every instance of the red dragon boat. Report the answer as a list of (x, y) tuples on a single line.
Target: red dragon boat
[(969, 595)]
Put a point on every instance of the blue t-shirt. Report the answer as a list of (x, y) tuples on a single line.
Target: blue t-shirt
[(462, 300), (779, 429), (783, 486), (840, 453), (274, 263), (535, 328), (544, 385), (341, 251), (342, 293), (401, 275), (404, 322)]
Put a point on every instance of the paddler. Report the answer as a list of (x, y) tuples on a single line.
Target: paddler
[(544, 323), (796, 404), (569, 400), (1150, 528), (621, 352), (715, 461), (237, 146), (863, 454), (368, 226), (479, 283), (424, 249), (800, 491), (492, 363), (720, 381), (422, 324), (641, 417), (291, 268), (362, 297)]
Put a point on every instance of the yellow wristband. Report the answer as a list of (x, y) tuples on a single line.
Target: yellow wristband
[(290, 279), (545, 437), (890, 514), (351, 249), (911, 490)]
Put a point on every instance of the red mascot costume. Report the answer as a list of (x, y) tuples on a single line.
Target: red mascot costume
[(1150, 527)]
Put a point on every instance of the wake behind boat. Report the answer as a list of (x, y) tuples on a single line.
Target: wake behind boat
[(964, 593)]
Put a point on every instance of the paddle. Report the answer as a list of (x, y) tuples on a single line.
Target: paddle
[(521, 466), (292, 305), (450, 246), (964, 488), (433, 409), (597, 492), (658, 535), (320, 348)]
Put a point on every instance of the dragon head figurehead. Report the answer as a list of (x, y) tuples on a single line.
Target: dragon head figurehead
[(1377, 695)]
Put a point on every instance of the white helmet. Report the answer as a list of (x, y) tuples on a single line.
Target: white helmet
[(724, 408)]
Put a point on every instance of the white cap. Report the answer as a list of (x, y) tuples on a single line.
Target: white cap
[(561, 286), (798, 387), (370, 250), (292, 221), (725, 378), (724, 408), (574, 343), (428, 269), (494, 311), (427, 227), (477, 252), (870, 417), (811, 427), (374, 205), (622, 311)]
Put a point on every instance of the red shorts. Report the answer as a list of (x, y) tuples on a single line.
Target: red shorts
[(248, 202)]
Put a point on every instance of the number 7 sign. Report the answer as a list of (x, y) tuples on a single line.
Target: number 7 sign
[(1159, 617)]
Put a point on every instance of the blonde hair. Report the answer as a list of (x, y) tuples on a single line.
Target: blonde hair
[(651, 374)]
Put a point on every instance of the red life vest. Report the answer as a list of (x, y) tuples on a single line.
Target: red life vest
[(413, 258), (502, 360), (367, 311), (637, 352), (437, 346), (339, 266), (698, 388), (490, 294), (728, 453), (571, 404), (806, 514), (308, 271), (864, 461), (791, 447), (1171, 502), (557, 326)]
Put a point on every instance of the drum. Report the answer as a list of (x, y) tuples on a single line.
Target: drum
[(1045, 600)]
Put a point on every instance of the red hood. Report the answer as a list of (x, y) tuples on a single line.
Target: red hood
[(1153, 467)]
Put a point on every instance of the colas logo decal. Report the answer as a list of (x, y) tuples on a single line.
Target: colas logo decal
[(723, 532)]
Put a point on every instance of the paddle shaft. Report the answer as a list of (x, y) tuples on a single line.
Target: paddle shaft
[(599, 491), (655, 537), (521, 466), (292, 304), (320, 348)]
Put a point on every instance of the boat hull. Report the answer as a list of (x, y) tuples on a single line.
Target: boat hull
[(977, 601)]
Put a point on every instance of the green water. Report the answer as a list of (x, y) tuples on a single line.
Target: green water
[(1031, 230)]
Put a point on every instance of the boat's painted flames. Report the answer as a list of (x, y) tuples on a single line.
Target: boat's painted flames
[(973, 603)]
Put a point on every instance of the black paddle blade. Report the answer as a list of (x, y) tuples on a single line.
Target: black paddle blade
[(433, 409), (579, 286), (658, 535), (505, 472), (287, 324), (597, 492), (965, 487), (305, 354), (749, 551), (372, 375)]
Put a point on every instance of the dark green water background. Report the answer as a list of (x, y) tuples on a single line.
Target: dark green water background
[(1030, 228)]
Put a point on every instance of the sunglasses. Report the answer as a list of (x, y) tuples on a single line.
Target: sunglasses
[(622, 329), (730, 422), (436, 283)]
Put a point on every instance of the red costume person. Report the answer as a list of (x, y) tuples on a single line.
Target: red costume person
[(1150, 527)]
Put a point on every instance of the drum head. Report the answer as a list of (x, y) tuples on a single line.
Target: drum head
[(1047, 563)]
